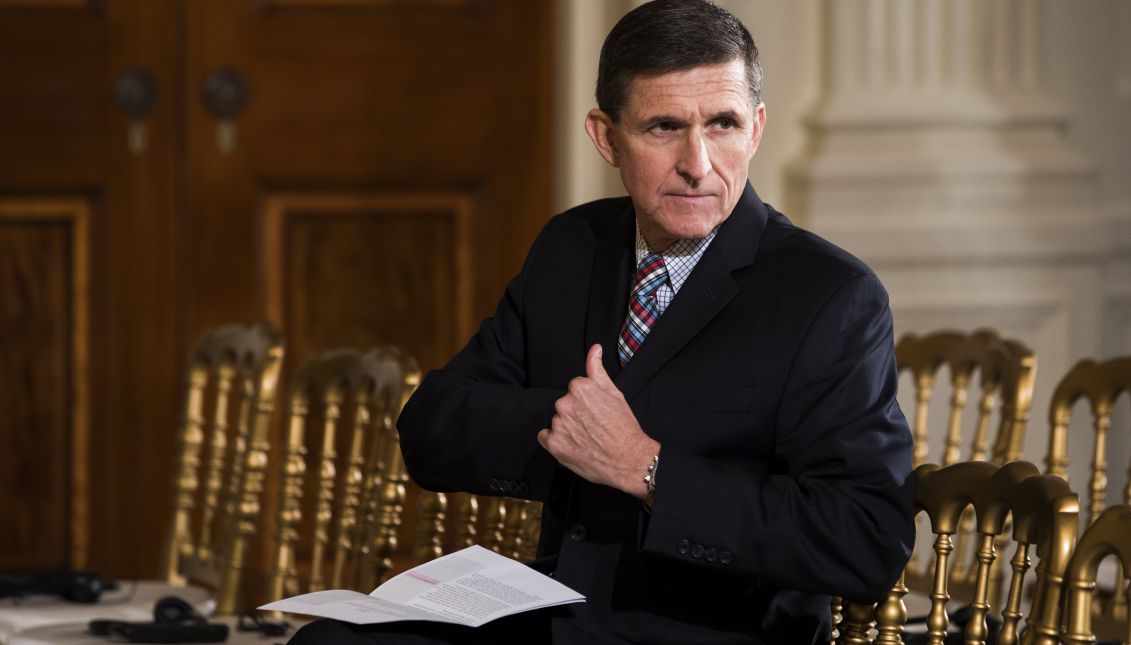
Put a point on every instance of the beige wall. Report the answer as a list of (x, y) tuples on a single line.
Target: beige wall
[(1086, 56)]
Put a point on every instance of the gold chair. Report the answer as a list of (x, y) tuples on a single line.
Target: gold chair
[(450, 521), (217, 483), (1045, 513), (507, 525), (515, 527), (341, 479), (1006, 369), (235, 369), (444, 522), (1101, 384), (1110, 534), (435, 511)]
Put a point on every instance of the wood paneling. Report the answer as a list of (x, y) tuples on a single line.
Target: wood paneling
[(138, 362), (44, 470), (401, 149), (52, 84), (62, 135), (358, 269), (397, 100)]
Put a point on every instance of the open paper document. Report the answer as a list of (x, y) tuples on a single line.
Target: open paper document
[(469, 587)]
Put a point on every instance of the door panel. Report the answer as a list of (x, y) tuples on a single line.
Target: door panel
[(44, 342), (350, 269)]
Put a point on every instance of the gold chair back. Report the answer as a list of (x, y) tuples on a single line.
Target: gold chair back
[(1101, 383), (341, 481), (388, 482), (514, 527), (442, 521), (218, 477), (1006, 370), (445, 522), (1044, 512), (448, 522), (1109, 535)]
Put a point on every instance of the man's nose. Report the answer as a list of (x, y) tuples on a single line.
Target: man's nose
[(695, 160)]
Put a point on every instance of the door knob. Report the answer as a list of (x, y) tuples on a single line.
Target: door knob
[(135, 93), (225, 93)]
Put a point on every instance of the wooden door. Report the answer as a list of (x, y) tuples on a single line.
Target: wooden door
[(380, 184), (89, 328)]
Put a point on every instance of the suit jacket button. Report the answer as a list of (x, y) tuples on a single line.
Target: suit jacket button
[(506, 485), (684, 547), (697, 551), (710, 555), (725, 557), (493, 485), (577, 532), (523, 488)]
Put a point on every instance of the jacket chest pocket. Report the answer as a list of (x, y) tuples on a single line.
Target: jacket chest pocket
[(700, 399)]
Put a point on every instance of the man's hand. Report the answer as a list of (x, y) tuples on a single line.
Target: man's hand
[(595, 434)]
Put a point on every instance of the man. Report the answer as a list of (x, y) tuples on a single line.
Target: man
[(702, 394)]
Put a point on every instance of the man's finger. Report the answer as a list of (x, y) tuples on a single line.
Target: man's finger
[(544, 438), (594, 368)]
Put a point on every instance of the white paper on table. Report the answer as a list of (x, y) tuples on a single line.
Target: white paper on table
[(469, 587)]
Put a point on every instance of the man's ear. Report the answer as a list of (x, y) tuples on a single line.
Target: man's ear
[(758, 126), (599, 127)]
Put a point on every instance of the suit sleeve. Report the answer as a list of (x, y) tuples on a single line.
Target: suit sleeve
[(472, 425), (836, 514)]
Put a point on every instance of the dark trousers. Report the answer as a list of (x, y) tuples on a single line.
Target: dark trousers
[(528, 628), (556, 625)]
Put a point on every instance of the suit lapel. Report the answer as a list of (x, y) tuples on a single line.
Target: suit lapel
[(608, 288), (707, 290)]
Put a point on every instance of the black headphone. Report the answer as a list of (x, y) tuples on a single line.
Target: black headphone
[(257, 623), (73, 586), (174, 621)]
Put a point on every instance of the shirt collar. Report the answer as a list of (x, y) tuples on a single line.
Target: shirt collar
[(679, 258)]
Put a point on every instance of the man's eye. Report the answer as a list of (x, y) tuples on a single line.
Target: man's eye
[(664, 126), (726, 124)]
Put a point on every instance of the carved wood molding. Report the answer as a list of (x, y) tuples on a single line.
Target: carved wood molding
[(75, 214), (278, 208)]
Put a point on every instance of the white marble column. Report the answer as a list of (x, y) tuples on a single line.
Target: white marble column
[(937, 155)]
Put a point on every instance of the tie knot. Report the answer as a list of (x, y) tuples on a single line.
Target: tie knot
[(650, 274)]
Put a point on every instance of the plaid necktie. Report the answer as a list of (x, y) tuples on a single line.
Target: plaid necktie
[(642, 308)]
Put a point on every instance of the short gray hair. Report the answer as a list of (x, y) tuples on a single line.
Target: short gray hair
[(665, 36)]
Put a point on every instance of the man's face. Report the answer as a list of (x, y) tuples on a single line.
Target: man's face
[(683, 146)]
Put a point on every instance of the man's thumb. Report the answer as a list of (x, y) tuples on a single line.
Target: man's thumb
[(594, 368)]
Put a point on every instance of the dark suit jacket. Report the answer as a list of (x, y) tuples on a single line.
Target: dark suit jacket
[(770, 381)]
